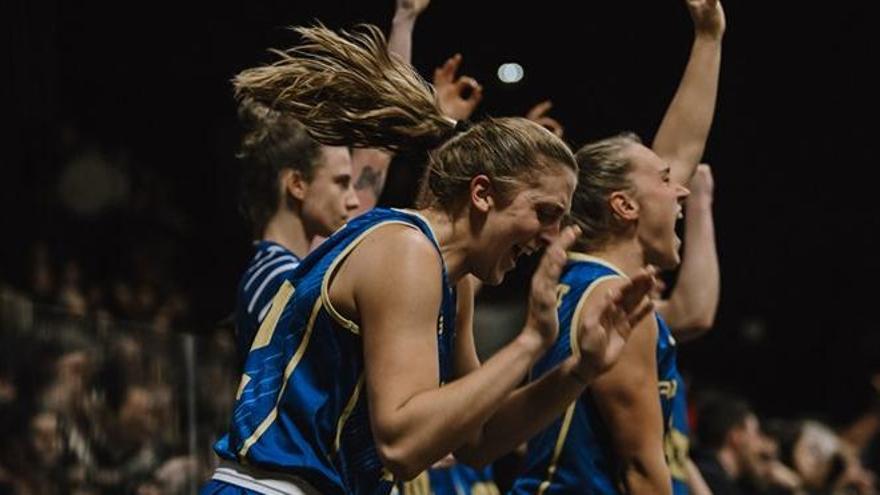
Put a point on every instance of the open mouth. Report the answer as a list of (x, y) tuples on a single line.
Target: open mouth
[(519, 250)]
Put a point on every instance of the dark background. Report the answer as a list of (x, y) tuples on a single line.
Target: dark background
[(792, 149)]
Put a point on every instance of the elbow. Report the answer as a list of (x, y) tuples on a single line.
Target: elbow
[(397, 450), (399, 462), (695, 325), (701, 325), (646, 476)]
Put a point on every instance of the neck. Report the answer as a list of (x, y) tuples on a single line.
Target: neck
[(452, 235), (287, 229), (626, 254)]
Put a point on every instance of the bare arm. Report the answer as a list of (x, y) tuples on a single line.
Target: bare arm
[(626, 396), (696, 483), (597, 341), (682, 136), (370, 166), (415, 422), (691, 307)]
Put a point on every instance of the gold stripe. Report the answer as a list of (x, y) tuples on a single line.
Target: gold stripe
[(349, 407), (421, 217), (291, 366), (575, 350), (668, 388), (576, 316), (325, 297), (599, 261), (420, 485), (557, 451), (267, 328), (244, 381)]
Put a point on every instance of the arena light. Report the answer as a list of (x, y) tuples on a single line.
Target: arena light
[(510, 72)]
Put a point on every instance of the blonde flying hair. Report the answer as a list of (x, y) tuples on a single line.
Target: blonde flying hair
[(347, 90)]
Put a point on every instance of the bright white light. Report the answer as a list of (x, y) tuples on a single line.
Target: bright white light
[(510, 73)]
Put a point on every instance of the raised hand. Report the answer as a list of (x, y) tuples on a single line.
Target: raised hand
[(456, 96), (538, 114), (542, 319), (708, 17), (411, 7), (702, 184)]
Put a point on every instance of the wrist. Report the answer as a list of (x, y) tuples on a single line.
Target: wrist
[(404, 17), (702, 201), (531, 343), (708, 36), (574, 370)]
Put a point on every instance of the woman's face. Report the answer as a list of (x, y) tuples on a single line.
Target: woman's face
[(659, 206), (529, 220), (329, 197)]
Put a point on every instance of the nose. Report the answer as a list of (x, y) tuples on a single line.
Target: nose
[(352, 202), (682, 192), (550, 232)]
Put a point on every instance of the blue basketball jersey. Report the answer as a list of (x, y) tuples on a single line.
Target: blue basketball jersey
[(457, 479), (301, 407), (574, 454), (676, 441), (270, 266)]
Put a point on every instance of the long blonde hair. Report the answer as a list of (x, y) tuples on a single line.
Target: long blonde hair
[(347, 90)]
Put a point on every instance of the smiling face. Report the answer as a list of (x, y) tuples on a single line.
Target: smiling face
[(521, 224)]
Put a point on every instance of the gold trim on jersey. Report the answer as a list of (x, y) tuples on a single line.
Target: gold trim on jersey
[(245, 379), (420, 485), (575, 351), (267, 328), (668, 388), (325, 284), (599, 261), (557, 450), (288, 371), (676, 447), (349, 407)]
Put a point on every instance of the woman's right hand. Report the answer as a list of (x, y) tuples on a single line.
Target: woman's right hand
[(542, 321)]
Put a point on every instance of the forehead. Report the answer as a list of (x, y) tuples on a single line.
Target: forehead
[(334, 160), (554, 185), (644, 161)]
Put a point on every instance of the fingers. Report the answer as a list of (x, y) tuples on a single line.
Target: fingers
[(554, 258), (645, 308), (475, 90), (552, 125), (446, 72), (539, 110), (638, 287)]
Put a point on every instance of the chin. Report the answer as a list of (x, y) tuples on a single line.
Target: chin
[(664, 261), (493, 278)]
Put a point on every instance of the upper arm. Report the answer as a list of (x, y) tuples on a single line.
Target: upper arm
[(627, 395), (398, 310)]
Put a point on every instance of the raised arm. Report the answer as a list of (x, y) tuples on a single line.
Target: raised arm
[(682, 136), (691, 307), (370, 166)]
